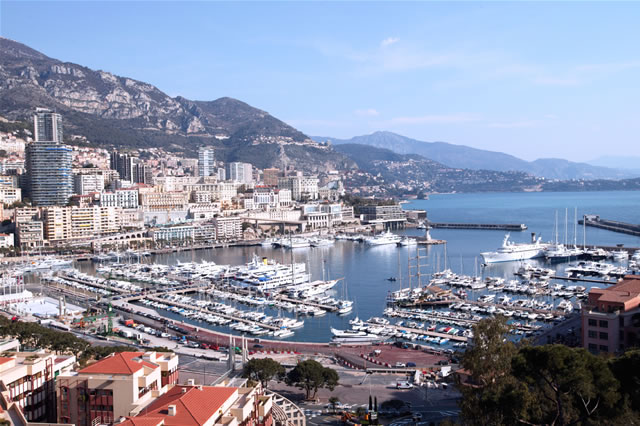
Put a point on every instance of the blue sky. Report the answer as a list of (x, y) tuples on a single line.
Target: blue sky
[(531, 79)]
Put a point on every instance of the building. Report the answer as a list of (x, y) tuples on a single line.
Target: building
[(49, 173), (29, 228), (333, 191), (119, 385), (28, 380), (141, 173), (270, 176), (195, 405), (228, 228), (303, 188), (6, 240), (389, 217), (173, 234), (240, 172), (88, 181), (124, 198), (206, 161), (10, 195), (153, 201), (47, 126), (123, 164), (62, 224), (222, 174), (322, 215), (611, 317)]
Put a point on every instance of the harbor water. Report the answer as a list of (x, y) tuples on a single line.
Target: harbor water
[(365, 269)]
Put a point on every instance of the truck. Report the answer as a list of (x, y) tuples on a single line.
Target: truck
[(126, 333)]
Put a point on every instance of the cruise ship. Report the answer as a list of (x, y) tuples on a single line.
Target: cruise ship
[(511, 251), (384, 238), (263, 274)]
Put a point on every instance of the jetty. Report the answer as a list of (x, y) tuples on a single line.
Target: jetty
[(483, 226), (610, 225)]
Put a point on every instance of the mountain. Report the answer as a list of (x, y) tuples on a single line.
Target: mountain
[(461, 156), (111, 110), (410, 174)]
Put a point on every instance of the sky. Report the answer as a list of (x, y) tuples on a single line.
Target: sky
[(536, 80)]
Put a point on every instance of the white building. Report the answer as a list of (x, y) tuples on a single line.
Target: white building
[(6, 240), (125, 198), (87, 183), (240, 172), (206, 161), (301, 187)]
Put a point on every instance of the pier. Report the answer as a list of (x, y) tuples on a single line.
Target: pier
[(610, 225), (425, 332), (586, 280), (483, 226)]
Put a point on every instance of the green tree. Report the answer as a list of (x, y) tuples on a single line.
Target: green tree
[(310, 376), (263, 370), (333, 401), (565, 386), (626, 369)]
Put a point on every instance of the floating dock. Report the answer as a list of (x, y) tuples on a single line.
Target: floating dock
[(610, 225), (484, 226)]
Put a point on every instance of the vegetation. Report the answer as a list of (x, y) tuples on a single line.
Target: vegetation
[(263, 370), (551, 384), (310, 376), (333, 401)]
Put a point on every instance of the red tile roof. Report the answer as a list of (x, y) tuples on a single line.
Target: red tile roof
[(142, 421), (5, 359), (193, 407), (119, 363)]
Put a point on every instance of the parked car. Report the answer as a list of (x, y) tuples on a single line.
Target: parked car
[(404, 385)]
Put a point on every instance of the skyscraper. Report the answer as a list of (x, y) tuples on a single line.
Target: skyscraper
[(206, 161), (123, 164), (47, 125), (240, 172), (48, 162)]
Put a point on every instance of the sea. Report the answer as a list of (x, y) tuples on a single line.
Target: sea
[(364, 270)]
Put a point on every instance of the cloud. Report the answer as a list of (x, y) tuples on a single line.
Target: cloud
[(435, 119), (369, 112), (389, 41)]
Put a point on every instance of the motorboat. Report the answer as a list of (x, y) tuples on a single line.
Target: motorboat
[(510, 251)]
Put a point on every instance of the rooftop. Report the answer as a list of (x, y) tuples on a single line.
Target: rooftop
[(118, 363), (194, 405), (628, 290)]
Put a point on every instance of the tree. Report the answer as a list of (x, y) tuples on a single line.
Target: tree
[(565, 385), (334, 400), (310, 375), (263, 370), (626, 369), (492, 389)]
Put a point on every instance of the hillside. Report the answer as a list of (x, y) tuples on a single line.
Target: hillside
[(409, 174), (111, 110), (477, 159)]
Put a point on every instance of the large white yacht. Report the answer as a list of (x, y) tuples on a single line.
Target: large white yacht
[(263, 274), (351, 336), (511, 251), (384, 238)]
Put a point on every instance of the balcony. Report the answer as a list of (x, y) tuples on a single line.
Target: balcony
[(264, 406)]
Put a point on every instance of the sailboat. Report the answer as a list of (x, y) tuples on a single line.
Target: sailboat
[(562, 252)]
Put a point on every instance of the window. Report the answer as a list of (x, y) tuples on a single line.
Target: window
[(593, 334), (604, 348), (593, 347), (593, 323), (604, 335), (604, 323)]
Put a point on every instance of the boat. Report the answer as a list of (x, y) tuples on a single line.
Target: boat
[(620, 255), (382, 239), (351, 336), (511, 251), (321, 242), (262, 274), (406, 241)]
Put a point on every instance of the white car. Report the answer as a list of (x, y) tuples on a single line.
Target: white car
[(404, 385)]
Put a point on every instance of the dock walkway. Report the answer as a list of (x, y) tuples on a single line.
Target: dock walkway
[(485, 226)]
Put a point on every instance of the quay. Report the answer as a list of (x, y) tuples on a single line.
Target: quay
[(94, 284), (587, 280), (517, 308), (610, 225), (425, 332), (230, 317), (483, 226), (284, 298)]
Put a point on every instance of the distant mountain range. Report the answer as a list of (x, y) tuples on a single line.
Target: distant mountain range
[(618, 162), (110, 110), (460, 156)]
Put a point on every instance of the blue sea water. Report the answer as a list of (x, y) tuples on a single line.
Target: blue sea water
[(365, 269)]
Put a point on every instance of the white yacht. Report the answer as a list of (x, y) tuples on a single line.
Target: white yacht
[(263, 274), (407, 241), (560, 253), (350, 336), (384, 238), (620, 255), (511, 251)]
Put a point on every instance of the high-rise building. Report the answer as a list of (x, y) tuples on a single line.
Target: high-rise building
[(270, 176), (123, 164), (206, 161), (240, 172), (47, 125), (48, 162)]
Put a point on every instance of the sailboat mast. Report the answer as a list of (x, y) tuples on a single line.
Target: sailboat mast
[(575, 227), (566, 224)]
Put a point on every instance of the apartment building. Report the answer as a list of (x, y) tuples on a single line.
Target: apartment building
[(270, 176), (29, 227), (301, 187), (228, 228), (28, 380), (119, 385), (88, 181), (240, 172), (154, 201), (611, 317), (194, 405), (124, 198)]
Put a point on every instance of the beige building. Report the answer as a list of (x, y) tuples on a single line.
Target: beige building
[(73, 223), (154, 201), (228, 228), (119, 385), (27, 379), (29, 227)]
